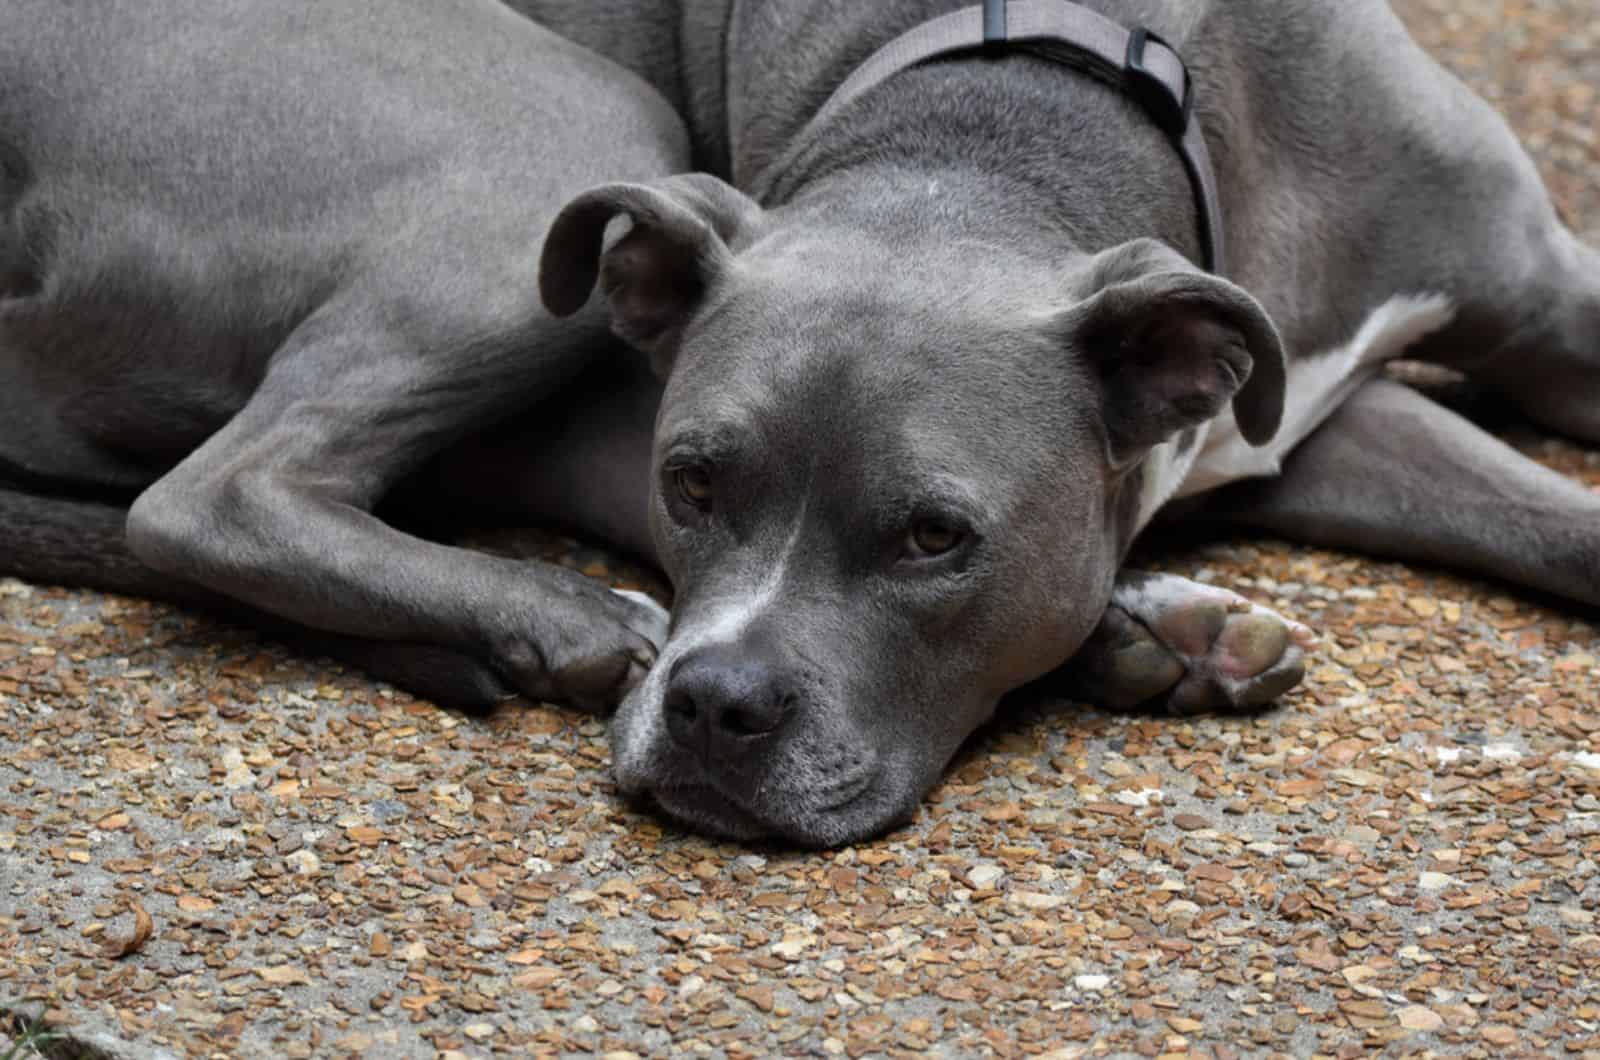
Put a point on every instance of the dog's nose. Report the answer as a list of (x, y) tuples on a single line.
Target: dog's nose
[(725, 700)]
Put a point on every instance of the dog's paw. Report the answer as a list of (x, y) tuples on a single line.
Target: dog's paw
[(1169, 643), (582, 645)]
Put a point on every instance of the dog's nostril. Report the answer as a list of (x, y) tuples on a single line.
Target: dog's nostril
[(680, 704), (752, 720), (743, 723)]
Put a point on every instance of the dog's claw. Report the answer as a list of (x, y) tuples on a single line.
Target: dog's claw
[(1171, 644)]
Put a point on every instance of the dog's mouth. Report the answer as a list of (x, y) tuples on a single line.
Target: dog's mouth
[(838, 813), (819, 786)]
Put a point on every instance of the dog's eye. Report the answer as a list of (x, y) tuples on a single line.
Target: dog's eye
[(933, 537), (694, 485)]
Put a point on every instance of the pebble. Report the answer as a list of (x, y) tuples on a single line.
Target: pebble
[(1420, 1018), (1576, 916), (304, 862)]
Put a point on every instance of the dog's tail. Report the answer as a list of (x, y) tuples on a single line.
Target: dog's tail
[(66, 541)]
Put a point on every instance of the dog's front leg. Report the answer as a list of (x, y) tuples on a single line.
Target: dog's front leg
[(1166, 642), (275, 510)]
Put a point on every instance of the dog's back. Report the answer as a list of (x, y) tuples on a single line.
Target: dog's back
[(183, 186)]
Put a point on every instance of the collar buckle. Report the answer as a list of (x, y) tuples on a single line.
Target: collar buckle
[(1170, 112)]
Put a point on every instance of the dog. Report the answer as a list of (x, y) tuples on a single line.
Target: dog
[(913, 377), (945, 344)]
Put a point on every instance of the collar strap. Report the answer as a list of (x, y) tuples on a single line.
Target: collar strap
[(1137, 62)]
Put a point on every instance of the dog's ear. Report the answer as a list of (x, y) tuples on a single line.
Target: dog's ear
[(1172, 345), (656, 273)]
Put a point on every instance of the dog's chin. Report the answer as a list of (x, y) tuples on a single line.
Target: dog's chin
[(857, 814)]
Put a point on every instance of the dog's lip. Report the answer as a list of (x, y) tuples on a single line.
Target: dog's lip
[(703, 807), (703, 804), (845, 792)]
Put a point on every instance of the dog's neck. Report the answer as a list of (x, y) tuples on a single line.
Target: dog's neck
[(1036, 154)]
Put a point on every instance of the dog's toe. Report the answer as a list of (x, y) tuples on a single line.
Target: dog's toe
[(1255, 657), (1190, 651)]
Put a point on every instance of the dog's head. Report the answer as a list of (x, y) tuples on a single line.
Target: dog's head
[(894, 479)]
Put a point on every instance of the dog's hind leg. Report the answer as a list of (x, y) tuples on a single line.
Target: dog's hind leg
[(1550, 366), (62, 541), (1472, 222), (1394, 474)]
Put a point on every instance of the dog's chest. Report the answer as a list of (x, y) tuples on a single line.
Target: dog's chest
[(1217, 454)]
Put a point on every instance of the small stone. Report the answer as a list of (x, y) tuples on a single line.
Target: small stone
[(1296, 860), (984, 877), (1420, 1018), (1498, 1034), (1092, 983), (235, 773), (304, 862), (1422, 606), (1035, 901), (793, 946), (1435, 881), (478, 1031), (1575, 916)]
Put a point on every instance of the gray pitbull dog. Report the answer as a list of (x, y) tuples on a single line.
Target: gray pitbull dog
[(263, 266), (944, 352), (925, 377)]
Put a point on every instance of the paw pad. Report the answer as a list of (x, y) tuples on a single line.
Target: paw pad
[(1191, 648)]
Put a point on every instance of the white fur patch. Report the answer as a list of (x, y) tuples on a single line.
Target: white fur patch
[(1316, 386), (1164, 470), (639, 728), (659, 613)]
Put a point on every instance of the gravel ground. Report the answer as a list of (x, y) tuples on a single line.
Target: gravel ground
[(1402, 858)]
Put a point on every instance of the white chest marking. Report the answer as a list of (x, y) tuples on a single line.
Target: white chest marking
[(1316, 386)]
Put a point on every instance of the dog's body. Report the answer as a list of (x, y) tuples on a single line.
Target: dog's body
[(900, 451), (305, 235)]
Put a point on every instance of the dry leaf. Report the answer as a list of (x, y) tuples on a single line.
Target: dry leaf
[(143, 928)]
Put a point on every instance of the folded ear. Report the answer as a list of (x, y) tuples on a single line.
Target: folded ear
[(655, 275), (1172, 346)]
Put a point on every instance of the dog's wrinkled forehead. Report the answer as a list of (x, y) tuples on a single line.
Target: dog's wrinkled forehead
[(819, 341)]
